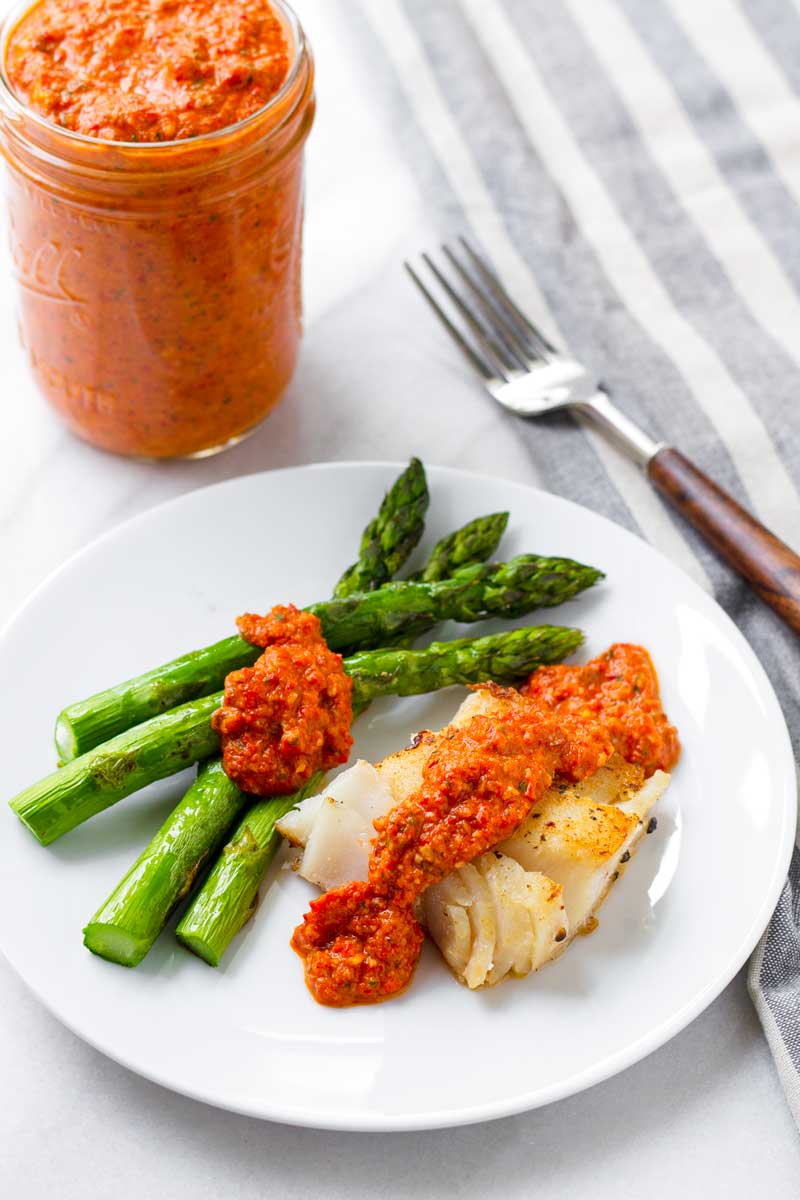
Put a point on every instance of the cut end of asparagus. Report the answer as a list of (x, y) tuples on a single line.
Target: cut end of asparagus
[(65, 739), (201, 948), (115, 944)]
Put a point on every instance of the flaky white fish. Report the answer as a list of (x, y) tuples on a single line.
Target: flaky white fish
[(559, 866)]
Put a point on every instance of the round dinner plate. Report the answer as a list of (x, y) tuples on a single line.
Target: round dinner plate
[(248, 1036)]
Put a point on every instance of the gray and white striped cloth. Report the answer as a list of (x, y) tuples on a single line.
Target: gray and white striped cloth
[(632, 167)]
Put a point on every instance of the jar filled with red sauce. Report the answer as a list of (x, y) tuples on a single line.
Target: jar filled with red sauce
[(155, 220)]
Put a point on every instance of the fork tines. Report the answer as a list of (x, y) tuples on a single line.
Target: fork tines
[(496, 337)]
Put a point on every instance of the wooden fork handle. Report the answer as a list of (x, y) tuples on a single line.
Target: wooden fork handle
[(762, 559)]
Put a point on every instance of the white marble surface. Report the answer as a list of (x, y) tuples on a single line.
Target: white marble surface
[(703, 1116)]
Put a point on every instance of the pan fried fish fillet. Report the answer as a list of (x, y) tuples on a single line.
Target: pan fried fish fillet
[(573, 847), (579, 833), (511, 910)]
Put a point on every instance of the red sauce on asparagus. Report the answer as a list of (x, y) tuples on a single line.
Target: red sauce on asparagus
[(288, 715)]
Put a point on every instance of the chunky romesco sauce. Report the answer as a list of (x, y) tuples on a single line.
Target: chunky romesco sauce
[(289, 715), (159, 278), (620, 690), (147, 70), (361, 942)]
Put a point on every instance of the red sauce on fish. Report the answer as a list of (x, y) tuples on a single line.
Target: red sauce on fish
[(288, 715), (618, 689), (360, 943)]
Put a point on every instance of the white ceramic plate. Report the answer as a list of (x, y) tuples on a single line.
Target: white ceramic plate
[(248, 1037)]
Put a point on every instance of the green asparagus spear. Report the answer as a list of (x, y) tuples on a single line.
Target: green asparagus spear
[(472, 593), (89, 784), (229, 894), (502, 657), (473, 543), (125, 927), (394, 611), (389, 539)]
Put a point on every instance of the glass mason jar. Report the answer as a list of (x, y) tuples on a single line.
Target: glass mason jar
[(159, 282)]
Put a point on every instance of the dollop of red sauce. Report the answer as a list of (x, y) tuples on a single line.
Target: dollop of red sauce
[(283, 623), (147, 70), (360, 943), (288, 715), (619, 690)]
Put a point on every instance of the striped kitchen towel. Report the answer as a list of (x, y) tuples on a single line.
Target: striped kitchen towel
[(632, 167)]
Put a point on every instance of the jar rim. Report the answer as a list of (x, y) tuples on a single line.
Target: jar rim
[(10, 100)]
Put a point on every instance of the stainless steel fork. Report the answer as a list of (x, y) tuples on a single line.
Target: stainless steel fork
[(525, 373)]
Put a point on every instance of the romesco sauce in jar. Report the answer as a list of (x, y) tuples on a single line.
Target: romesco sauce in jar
[(154, 153)]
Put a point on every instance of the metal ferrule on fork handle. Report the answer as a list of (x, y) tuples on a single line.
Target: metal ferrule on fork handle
[(599, 409)]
